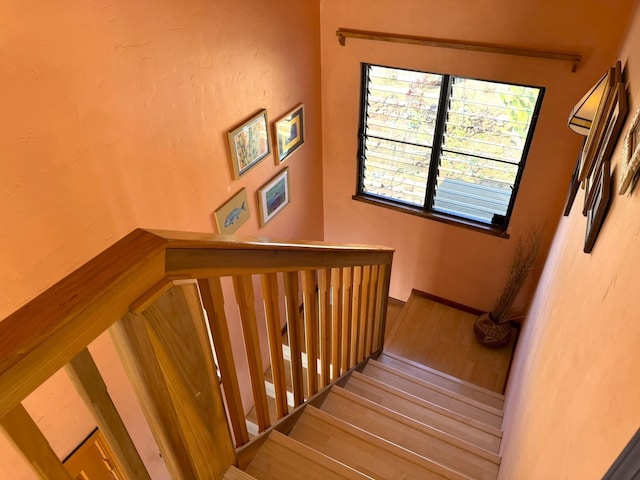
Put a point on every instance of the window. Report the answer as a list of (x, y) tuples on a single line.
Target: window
[(444, 146)]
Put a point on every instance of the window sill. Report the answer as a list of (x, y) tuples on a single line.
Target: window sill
[(457, 222)]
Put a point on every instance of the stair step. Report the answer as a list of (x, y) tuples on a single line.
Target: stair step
[(465, 428), (434, 394), (443, 380), (363, 451), (419, 438), (283, 458), (236, 474)]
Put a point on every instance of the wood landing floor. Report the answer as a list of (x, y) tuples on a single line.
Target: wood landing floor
[(441, 337)]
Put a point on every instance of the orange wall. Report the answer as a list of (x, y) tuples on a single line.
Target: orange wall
[(452, 262), (114, 116), (572, 401)]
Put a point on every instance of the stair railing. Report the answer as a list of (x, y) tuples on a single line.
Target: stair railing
[(168, 300)]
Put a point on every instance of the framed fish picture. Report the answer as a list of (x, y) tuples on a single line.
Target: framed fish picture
[(274, 196), (230, 216)]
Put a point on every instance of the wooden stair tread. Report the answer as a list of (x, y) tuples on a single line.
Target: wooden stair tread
[(443, 380), (236, 474), (465, 428), (363, 451), (283, 458), (419, 438), (434, 394)]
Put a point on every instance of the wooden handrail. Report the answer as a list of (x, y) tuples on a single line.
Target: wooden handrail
[(127, 280), (344, 33)]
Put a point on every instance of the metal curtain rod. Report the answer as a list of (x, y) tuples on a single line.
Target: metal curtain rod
[(343, 33)]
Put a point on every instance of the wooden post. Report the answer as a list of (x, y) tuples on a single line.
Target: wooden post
[(364, 312), (371, 310), (167, 354), (382, 298), (28, 438), (213, 302), (336, 324), (355, 315), (243, 287), (310, 301), (291, 292), (89, 384), (347, 273), (324, 310), (272, 317)]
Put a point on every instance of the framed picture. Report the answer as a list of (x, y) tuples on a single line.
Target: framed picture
[(233, 213), (273, 197), (630, 155), (289, 133), (599, 205), (613, 120), (574, 186), (597, 126), (249, 143)]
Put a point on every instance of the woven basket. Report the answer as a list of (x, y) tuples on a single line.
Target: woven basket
[(491, 334)]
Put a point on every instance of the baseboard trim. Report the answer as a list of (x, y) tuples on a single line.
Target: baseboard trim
[(447, 302)]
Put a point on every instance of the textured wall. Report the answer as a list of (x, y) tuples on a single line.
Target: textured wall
[(449, 261), (572, 401), (114, 116)]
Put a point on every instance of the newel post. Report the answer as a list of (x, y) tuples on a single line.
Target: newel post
[(166, 351)]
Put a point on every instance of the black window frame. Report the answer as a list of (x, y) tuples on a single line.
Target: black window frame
[(499, 223)]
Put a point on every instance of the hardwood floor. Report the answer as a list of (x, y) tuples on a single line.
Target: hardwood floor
[(441, 337)]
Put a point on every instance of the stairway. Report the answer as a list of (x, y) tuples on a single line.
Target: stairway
[(395, 419)]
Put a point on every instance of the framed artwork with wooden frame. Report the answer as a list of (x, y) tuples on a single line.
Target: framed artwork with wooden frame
[(273, 196), (597, 126), (235, 211), (630, 155), (613, 120), (249, 143), (599, 205), (289, 133)]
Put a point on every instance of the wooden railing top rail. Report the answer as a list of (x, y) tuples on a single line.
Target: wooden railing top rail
[(45, 334)]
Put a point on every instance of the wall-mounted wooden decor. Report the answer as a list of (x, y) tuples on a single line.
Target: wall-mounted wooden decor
[(630, 155)]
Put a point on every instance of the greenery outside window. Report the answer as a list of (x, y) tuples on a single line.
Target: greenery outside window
[(444, 146)]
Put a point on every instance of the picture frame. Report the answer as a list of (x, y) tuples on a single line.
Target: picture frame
[(599, 205), (273, 197), (288, 132), (597, 126), (574, 186), (613, 120), (249, 143), (233, 213), (630, 155)]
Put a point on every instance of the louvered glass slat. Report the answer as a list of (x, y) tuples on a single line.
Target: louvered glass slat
[(396, 171), (402, 105)]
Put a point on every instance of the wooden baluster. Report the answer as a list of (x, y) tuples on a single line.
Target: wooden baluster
[(336, 326), (245, 298), (371, 310), (28, 438), (355, 315), (274, 332), (213, 302), (89, 384), (310, 302), (167, 353), (324, 289), (364, 312), (347, 274), (382, 298), (291, 293)]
